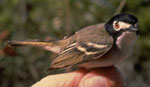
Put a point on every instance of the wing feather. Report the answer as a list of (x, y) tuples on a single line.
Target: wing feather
[(79, 53), (87, 44)]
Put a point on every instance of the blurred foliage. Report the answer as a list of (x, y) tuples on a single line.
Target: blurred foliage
[(53, 19)]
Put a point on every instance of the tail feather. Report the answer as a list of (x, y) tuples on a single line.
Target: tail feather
[(29, 43), (50, 46)]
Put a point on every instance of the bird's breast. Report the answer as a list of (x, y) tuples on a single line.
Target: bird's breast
[(122, 50)]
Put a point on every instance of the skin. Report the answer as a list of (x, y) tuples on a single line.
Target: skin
[(98, 77)]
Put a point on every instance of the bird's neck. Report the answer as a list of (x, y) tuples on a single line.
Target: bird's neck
[(126, 40)]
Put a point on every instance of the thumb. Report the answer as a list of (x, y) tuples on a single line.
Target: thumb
[(102, 77)]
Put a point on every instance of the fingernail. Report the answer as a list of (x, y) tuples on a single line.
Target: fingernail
[(95, 82)]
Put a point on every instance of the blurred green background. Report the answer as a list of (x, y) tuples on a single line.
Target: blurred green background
[(54, 19)]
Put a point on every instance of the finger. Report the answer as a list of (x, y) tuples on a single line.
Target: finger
[(102, 77), (62, 80)]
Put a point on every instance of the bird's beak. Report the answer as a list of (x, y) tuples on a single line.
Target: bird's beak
[(134, 28)]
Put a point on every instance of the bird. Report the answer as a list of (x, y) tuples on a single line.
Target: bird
[(99, 45)]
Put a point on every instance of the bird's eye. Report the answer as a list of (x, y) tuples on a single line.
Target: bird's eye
[(116, 26)]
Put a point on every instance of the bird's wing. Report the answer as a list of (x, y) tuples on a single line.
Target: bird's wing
[(83, 49)]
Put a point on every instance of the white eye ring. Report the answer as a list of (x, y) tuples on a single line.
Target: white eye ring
[(116, 25)]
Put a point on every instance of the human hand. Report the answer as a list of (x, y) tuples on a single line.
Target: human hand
[(98, 77)]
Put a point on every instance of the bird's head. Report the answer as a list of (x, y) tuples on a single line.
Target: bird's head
[(121, 23)]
